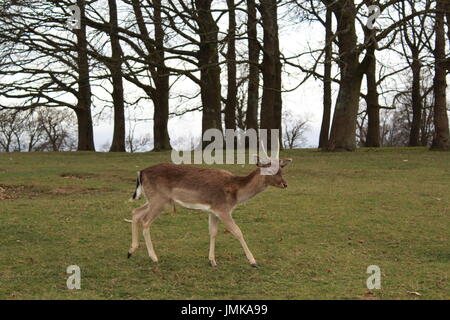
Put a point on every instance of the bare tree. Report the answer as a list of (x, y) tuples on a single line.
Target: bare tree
[(271, 104), (55, 126), (83, 108), (415, 36), (115, 66), (441, 133), (41, 129), (11, 129), (231, 101), (136, 143), (294, 130), (251, 120), (327, 101), (52, 67), (342, 136)]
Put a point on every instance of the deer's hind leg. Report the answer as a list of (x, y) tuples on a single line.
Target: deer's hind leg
[(137, 217), (213, 219)]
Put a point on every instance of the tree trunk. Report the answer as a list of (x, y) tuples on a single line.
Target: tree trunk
[(326, 116), (230, 106), (343, 130), (83, 108), (115, 67), (85, 129), (271, 104), (251, 119), (425, 127), (373, 106), (161, 95), (208, 60), (414, 136), (441, 134), (447, 14)]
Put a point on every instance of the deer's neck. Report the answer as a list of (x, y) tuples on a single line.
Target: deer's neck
[(250, 186)]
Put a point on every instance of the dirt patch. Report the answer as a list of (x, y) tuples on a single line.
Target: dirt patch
[(15, 170), (61, 191), (10, 192), (78, 176)]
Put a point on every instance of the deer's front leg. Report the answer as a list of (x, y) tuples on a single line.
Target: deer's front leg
[(236, 231), (212, 238)]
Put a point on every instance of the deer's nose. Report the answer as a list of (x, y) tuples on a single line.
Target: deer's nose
[(284, 185)]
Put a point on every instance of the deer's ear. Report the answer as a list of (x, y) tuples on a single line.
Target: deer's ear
[(285, 162), (261, 163)]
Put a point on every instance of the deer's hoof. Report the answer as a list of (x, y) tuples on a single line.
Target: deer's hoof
[(212, 263), (254, 265), (129, 255)]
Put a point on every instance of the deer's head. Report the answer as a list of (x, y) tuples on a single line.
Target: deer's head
[(272, 173)]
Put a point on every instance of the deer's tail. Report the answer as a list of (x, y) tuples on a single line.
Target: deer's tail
[(138, 191)]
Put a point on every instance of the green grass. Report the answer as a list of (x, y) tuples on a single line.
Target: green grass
[(341, 213)]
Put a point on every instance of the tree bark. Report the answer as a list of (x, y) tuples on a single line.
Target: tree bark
[(271, 104), (326, 116), (441, 134), (230, 106), (414, 136), (208, 60), (115, 67), (85, 129), (343, 130), (447, 14), (373, 106), (83, 108), (251, 119)]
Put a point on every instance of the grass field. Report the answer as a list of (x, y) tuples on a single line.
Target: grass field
[(341, 213)]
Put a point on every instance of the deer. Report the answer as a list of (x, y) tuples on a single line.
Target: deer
[(215, 191)]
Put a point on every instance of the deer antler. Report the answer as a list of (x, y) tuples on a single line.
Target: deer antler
[(265, 155), (277, 152)]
